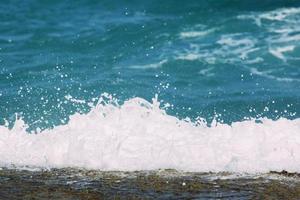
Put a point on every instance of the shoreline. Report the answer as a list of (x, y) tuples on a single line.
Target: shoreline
[(72, 183)]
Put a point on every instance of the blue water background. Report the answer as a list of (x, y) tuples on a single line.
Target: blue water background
[(206, 58)]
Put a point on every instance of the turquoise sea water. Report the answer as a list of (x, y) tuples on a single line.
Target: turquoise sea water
[(229, 60)]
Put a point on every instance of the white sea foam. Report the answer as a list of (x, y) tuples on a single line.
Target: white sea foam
[(278, 52), (280, 14), (267, 74), (138, 135), (193, 33), (70, 98), (229, 40), (192, 53), (281, 23), (149, 66), (207, 72), (254, 61), (189, 56), (233, 48)]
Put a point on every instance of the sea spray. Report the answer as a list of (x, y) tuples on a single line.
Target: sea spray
[(139, 135)]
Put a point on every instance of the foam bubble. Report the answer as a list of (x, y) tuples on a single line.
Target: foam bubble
[(138, 135)]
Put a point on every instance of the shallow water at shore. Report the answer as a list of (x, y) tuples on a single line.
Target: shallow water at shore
[(71, 183)]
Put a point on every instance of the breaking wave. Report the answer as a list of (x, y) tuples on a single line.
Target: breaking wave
[(139, 135)]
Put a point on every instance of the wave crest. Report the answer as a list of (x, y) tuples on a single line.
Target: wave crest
[(138, 135)]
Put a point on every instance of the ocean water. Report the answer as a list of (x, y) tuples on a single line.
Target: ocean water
[(131, 85)]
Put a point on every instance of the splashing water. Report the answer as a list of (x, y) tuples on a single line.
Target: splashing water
[(138, 135), (226, 72)]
